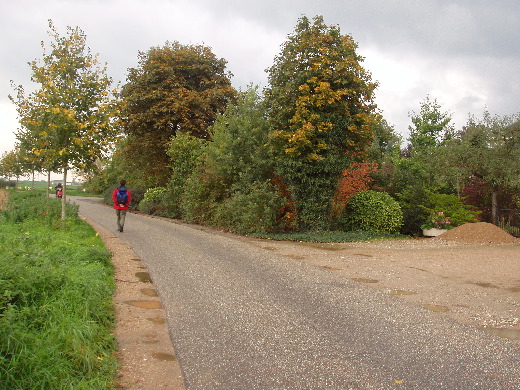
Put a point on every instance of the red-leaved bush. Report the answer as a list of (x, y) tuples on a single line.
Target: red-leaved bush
[(354, 179)]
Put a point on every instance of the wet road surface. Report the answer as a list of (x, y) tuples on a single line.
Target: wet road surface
[(242, 317)]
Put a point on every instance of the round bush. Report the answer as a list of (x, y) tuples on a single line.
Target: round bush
[(372, 211)]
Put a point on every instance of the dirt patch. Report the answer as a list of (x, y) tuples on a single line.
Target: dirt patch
[(470, 274)]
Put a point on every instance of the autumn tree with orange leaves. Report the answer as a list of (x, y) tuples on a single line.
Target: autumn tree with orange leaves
[(174, 89)]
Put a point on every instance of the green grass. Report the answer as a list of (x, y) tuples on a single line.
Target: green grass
[(330, 236), (56, 312)]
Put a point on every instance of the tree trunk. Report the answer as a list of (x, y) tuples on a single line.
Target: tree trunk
[(48, 183), (494, 206), (64, 199)]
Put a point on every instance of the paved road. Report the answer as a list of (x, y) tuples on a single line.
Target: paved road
[(242, 317)]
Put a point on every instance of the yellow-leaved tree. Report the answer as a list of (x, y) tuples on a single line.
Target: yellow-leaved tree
[(68, 121), (320, 103)]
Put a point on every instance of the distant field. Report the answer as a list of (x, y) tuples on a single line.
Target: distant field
[(74, 190), (41, 185)]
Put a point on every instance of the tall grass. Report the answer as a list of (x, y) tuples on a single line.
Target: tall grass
[(56, 313)]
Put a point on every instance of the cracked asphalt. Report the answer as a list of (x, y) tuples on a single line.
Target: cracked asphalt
[(241, 317)]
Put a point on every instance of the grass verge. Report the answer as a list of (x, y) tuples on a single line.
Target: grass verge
[(56, 312)]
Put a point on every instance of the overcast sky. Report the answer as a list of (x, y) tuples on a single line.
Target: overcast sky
[(464, 53)]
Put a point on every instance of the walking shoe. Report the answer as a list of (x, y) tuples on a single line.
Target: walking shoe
[(121, 229)]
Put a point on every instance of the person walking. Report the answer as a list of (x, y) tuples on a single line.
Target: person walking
[(121, 197)]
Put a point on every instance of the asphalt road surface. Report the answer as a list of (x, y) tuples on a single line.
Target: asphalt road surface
[(242, 317)]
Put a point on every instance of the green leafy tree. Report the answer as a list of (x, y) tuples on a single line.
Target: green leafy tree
[(489, 149), (320, 103), (237, 152), (10, 165), (36, 149), (232, 187), (238, 156), (386, 143), (425, 162), (430, 126), (175, 88), (69, 118), (185, 152)]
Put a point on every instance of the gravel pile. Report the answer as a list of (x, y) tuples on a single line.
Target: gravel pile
[(479, 232)]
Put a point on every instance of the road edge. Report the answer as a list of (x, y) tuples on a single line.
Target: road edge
[(145, 351)]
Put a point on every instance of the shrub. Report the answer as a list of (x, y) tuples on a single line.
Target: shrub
[(202, 193), (420, 204), (372, 211), (452, 207), (153, 200), (354, 179), (56, 313), (413, 201), (153, 194), (23, 206), (252, 211)]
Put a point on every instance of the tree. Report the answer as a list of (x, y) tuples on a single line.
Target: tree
[(185, 152), (237, 153), (10, 165), (175, 88), (489, 149), (430, 126), (69, 118), (429, 135), (386, 143), (320, 103), (36, 149), (232, 188)]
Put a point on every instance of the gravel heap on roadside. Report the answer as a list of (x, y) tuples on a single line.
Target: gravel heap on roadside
[(479, 232)]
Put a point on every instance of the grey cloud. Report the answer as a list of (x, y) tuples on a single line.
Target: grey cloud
[(434, 38)]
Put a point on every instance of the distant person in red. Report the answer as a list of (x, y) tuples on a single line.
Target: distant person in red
[(121, 197), (59, 191)]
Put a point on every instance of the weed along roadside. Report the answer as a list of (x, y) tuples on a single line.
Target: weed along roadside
[(145, 352), (57, 317), (72, 310)]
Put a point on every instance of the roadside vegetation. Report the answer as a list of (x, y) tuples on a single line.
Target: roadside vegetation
[(309, 153), (56, 313), (310, 157)]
